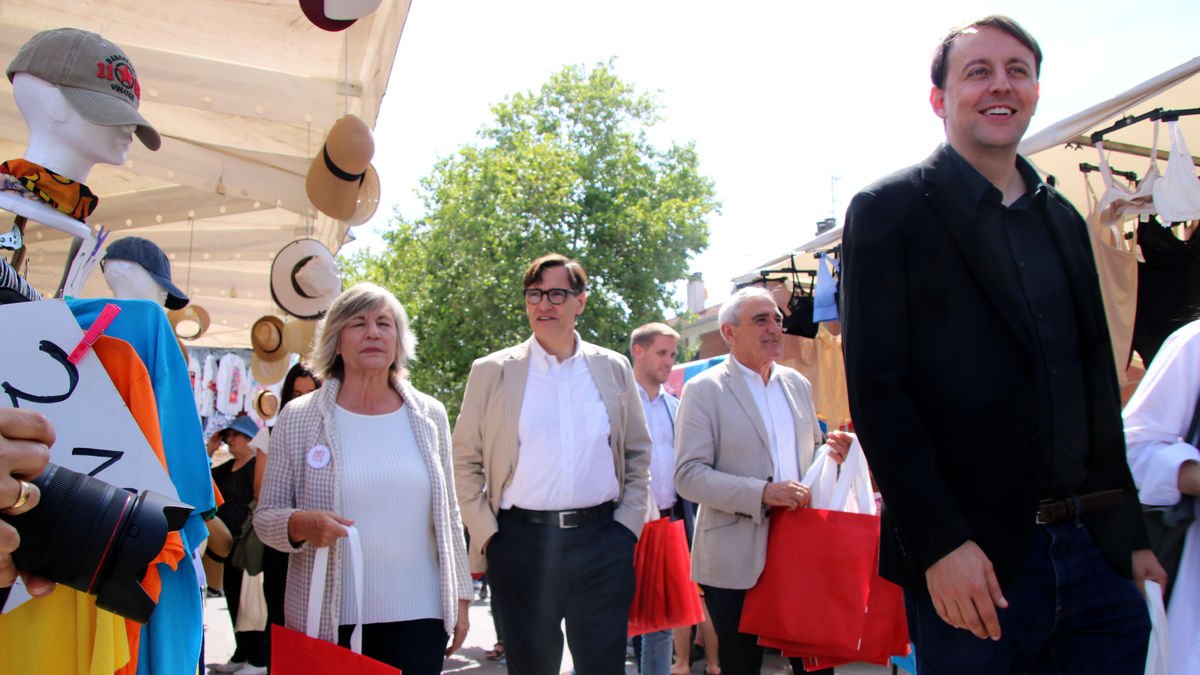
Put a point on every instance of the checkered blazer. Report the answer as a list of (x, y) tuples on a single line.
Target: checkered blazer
[(292, 485)]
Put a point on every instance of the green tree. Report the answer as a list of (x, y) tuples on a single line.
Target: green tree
[(567, 169)]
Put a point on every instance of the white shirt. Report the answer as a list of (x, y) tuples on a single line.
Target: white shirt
[(564, 460), (778, 417), (662, 457), (1156, 420), (387, 492)]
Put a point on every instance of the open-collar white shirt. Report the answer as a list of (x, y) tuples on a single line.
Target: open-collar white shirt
[(778, 417), (564, 460), (662, 458)]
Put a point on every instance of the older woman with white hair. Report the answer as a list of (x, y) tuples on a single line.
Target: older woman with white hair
[(368, 450)]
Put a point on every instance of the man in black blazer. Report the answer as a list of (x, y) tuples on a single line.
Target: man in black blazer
[(982, 388)]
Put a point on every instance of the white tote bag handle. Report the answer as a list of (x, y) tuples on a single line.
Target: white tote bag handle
[(316, 589), (1156, 656), (854, 479)]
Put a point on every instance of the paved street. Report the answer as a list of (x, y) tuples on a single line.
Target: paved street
[(470, 659)]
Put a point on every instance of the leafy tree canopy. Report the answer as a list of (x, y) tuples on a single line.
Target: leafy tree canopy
[(567, 169)]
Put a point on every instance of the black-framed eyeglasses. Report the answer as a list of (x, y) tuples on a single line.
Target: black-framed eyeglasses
[(556, 296)]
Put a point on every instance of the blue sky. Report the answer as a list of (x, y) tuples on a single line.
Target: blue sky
[(792, 108)]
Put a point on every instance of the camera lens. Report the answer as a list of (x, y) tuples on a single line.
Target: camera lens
[(96, 538)]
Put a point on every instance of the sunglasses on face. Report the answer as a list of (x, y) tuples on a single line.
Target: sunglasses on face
[(556, 296)]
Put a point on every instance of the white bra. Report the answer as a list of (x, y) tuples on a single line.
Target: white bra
[(1177, 192), (1118, 202)]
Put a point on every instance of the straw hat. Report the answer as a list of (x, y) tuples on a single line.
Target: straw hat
[(341, 181), (305, 278), (266, 404), (190, 322), (298, 336), (266, 336)]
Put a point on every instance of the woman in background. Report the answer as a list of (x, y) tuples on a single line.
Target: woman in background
[(367, 449)]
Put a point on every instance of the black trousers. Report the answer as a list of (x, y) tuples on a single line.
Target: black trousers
[(740, 653), (275, 564), (541, 575), (415, 647)]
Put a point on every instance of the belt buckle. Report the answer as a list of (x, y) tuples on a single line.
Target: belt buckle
[(1040, 520), (562, 523)]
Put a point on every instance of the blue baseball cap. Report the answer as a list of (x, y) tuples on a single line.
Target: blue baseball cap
[(243, 425), (147, 254)]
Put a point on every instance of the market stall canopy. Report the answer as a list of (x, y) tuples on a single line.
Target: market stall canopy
[(243, 94), (1059, 149)]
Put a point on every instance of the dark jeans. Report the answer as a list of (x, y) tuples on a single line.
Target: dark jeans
[(739, 652), (541, 574), (415, 647), (1068, 612), (251, 645)]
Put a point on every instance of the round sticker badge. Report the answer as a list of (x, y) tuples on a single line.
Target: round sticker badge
[(319, 456)]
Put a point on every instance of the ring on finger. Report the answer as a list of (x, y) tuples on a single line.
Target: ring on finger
[(23, 497)]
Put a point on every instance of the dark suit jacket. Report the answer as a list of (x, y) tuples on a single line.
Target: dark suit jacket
[(940, 364)]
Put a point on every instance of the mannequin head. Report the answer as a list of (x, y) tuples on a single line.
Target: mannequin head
[(60, 139), (130, 281), (79, 95)]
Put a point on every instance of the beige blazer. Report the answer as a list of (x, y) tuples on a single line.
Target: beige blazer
[(291, 484), (723, 461), (485, 437)]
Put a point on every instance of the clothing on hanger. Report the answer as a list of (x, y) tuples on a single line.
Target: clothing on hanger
[(1177, 193), (13, 287), (1117, 268), (1168, 285), (1119, 202), (825, 294)]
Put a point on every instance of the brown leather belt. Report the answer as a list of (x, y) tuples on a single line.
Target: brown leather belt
[(1057, 510), (564, 519)]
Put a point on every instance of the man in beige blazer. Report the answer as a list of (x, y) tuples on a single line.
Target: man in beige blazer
[(745, 434), (551, 456)]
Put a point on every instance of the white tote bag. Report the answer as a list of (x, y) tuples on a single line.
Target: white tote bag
[(252, 604)]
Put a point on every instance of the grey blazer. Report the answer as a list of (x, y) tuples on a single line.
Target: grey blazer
[(291, 485), (485, 437), (723, 462)]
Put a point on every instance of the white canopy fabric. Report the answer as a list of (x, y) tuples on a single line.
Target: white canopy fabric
[(243, 94)]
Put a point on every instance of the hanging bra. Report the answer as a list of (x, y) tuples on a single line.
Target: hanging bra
[(1119, 202), (1177, 193)]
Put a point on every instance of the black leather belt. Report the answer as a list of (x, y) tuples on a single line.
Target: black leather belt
[(1057, 510), (564, 519)]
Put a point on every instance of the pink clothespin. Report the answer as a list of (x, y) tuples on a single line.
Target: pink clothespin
[(101, 323)]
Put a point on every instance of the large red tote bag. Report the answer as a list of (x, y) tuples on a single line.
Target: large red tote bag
[(296, 653)]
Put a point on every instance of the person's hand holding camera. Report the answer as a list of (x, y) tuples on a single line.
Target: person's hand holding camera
[(25, 440)]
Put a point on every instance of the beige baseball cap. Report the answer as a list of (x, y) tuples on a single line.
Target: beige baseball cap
[(93, 74)]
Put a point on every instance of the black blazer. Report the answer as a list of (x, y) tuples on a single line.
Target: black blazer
[(941, 374)]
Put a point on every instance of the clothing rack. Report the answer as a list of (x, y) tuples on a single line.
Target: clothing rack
[(1127, 175), (1156, 114)]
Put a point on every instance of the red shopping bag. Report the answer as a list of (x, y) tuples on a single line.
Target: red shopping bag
[(817, 578), (664, 596), (885, 634), (294, 653)]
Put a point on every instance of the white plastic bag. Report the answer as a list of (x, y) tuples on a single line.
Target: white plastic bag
[(1156, 656), (846, 490)]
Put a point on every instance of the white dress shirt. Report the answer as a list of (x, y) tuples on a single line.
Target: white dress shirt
[(564, 460), (662, 458), (778, 417)]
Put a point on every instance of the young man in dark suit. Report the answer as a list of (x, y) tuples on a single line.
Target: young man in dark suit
[(982, 388)]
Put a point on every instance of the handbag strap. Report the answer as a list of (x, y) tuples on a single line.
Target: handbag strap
[(1193, 433), (316, 588)]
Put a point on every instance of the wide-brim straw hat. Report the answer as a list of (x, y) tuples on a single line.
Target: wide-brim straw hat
[(341, 182), (268, 372), (266, 337), (298, 335), (266, 404), (190, 322)]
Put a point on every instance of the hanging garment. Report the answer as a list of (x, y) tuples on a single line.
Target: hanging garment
[(1177, 193), (1168, 286), (825, 294), (232, 385), (72, 635), (1119, 202), (13, 287), (207, 398), (194, 374), (830, 397), (1116, 264), (170, 642)]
